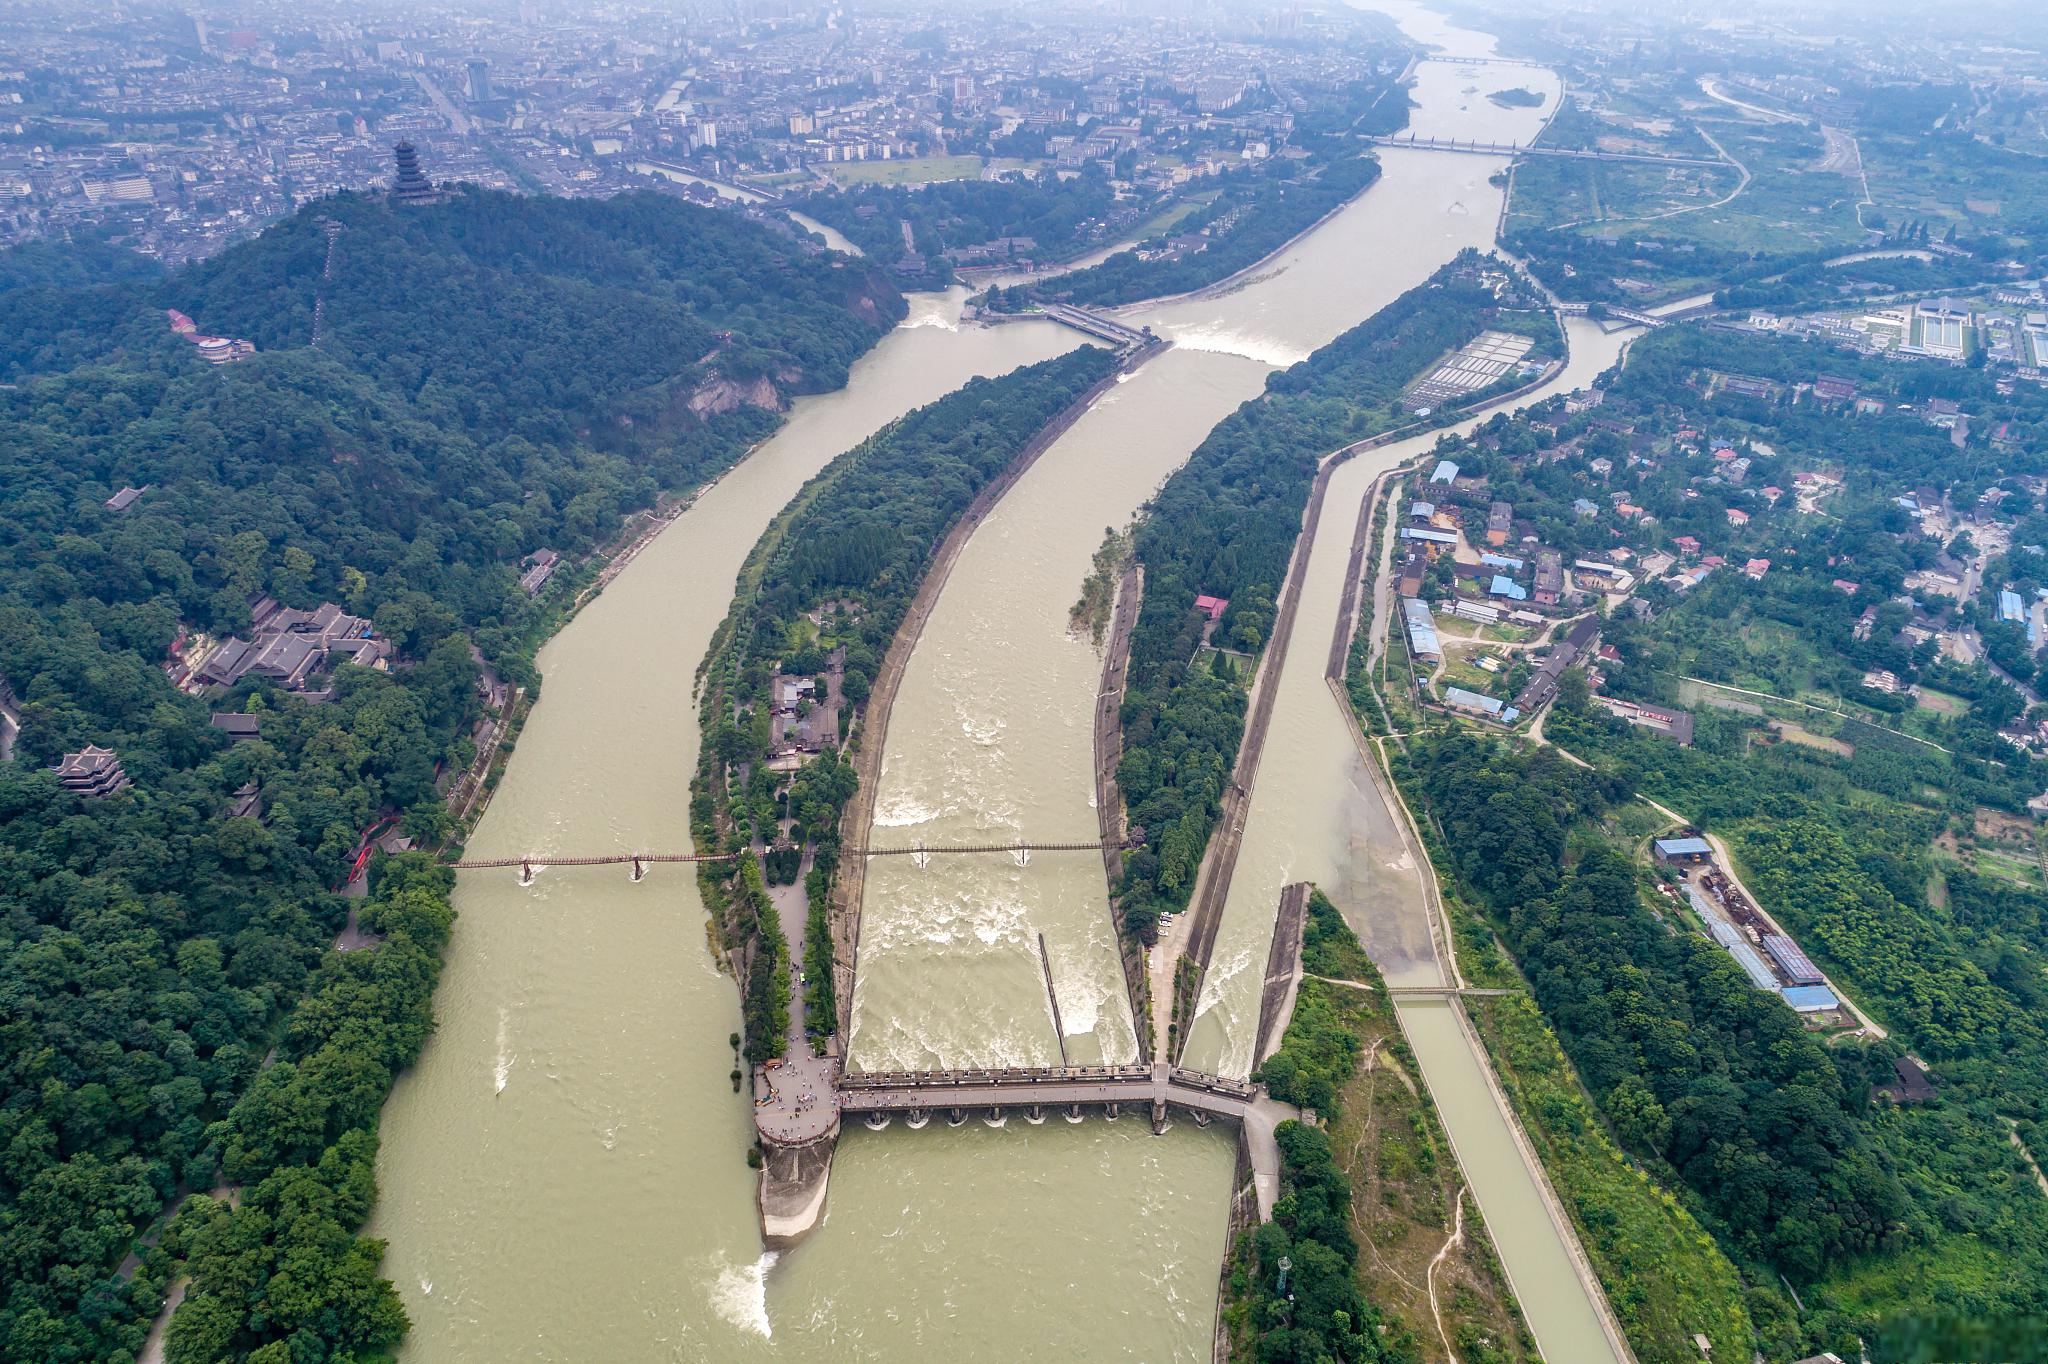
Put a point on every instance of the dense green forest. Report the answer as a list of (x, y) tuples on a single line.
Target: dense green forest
[(485, 386), (1225, 525), (1317, 1313), (863, 531), (1842, 848), (1259, 211), (1692, 1063), (1893, 1222), (1063, 216)]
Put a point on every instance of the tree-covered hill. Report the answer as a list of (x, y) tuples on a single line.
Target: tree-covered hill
[(1061, 215), (503, 311), (495, 376)]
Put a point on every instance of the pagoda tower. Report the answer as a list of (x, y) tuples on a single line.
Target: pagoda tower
[(411, 186)]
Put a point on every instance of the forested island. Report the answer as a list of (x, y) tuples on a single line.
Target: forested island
[(493, 377), (1224, 526), (1257, 212), (820, 601)]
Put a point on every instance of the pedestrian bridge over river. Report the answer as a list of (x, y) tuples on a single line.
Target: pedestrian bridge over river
[(529, 862)]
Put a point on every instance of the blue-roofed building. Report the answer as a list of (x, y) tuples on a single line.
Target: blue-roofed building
[(1422, 637), (1684, 849), (1798, 968), (1429, 537), (1458, 697), (1445, 472), (2010, 607), (1504, 586), (1811, 999), (1746, 957), (1700, 905), (1504, 562)]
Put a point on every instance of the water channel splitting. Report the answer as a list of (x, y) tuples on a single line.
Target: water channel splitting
[(450, 1134)]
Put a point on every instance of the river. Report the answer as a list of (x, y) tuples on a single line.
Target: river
[(992, 735), (562, 1172)]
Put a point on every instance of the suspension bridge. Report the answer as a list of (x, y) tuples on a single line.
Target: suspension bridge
[(640, 862)]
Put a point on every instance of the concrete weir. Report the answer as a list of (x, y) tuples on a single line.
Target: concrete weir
[(794, 1176), (793, 1183)]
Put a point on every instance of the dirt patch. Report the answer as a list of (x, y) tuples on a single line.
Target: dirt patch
[(1806, 738), (1940, 702), (1693, 694), (1996, 826)]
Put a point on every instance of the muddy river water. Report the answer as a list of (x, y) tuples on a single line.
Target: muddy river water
[(563, 1173)]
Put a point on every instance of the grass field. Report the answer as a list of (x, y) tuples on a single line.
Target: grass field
[(910, 170), (1551, 192)]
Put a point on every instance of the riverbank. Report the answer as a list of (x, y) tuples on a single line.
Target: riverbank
[(536, 1111), (1526, 1075)]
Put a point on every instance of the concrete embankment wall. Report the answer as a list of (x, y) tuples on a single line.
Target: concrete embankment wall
[(1109, 796)]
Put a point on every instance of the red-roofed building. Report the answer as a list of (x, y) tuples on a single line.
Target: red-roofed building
[(1212, 607), (1756, 568), (1737, 517), (1685, 544)]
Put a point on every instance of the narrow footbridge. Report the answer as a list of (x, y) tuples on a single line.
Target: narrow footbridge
[(529, 862), (1442, 992)]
